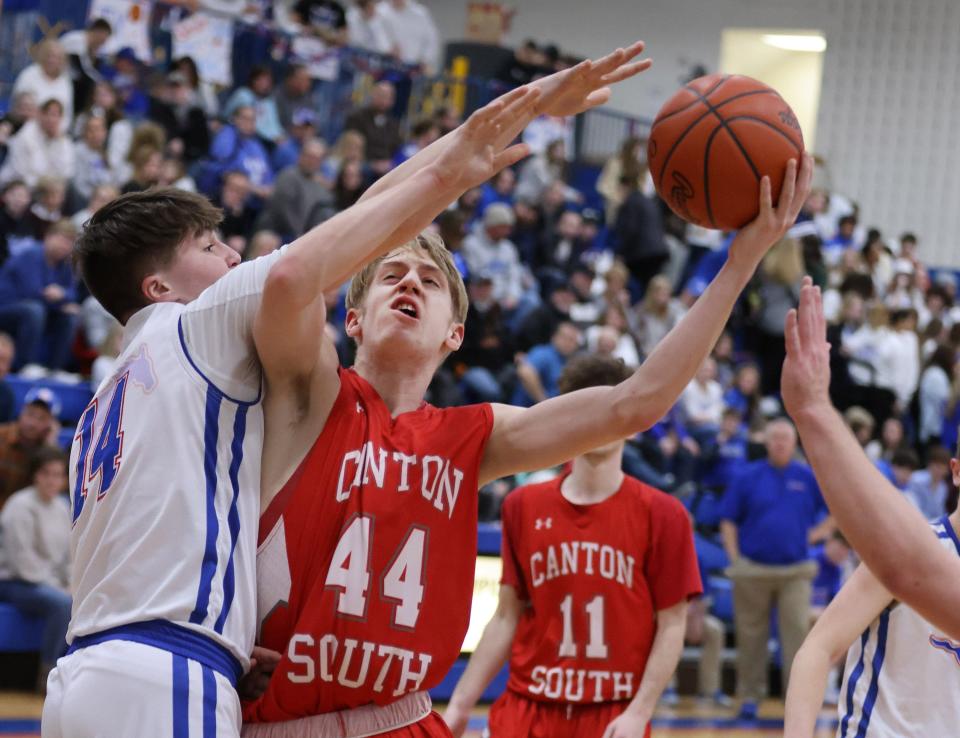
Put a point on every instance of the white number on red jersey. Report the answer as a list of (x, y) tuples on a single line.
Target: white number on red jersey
[(401, 584), (596, 645)]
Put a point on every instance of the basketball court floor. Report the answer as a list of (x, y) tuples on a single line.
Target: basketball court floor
[(20, 718)]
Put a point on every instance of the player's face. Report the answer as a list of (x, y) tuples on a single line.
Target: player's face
[(408, 307), (200, 261)]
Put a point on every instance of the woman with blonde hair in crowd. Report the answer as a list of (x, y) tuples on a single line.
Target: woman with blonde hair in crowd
[(629, 162), (657, 314), (350, 148), (779, 277)]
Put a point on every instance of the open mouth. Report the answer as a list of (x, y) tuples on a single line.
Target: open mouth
[(407, 307)]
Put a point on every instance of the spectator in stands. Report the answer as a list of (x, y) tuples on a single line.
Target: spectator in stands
[(379, 126), (258, 95), (542, 322), (294, 94), (303, 127), (630, 164), (891, 439), (489, 249), (301, 197), (40, 148), (538, 373), (934, 395), (7, 399), (500, 189), (657, 314), (38, 299), (124, 75), (82, 49), (769, 515), (526, 64), (107, 352), (447, 119), (639, 233), (611, 336), (487, 349), (238, 216), (779, 291), (23, 108), (562, 251), (15, 223), (452, 226), (413, 34), (927, 488), (236, 147), (202, 93), (702, 403), (49, 198), (723, 460), (49, 79), (119, 130), (541, 171), (860, 422), (35, 554), (35, 427), (261, 244), (324, 19), (744, 395), (528, 231), (879, 263), (350, 185), (904, 356), (92, 168), (349, 148), (901, 467), (423, 133), (102, 194), (173, 173), (147, 163), (367, 28), (841, 242), (183, 120)]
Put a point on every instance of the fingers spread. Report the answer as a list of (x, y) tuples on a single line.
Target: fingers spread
[(510, 156), (626, 71), (598, 97), (610, 62)]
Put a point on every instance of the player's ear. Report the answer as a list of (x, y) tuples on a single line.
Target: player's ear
[(955, 471), (351, 324), (454, 337), (156, 289)]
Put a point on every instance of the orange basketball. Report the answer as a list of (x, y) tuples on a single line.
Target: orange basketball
[(713, 141)]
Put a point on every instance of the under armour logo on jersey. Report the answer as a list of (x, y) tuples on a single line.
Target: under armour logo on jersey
[(543, 523), (947, 645)]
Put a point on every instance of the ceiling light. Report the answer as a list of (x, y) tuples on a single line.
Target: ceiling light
[(814, 43)]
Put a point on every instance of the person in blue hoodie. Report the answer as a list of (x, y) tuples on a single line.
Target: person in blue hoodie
[(237, 148), (38, 299)]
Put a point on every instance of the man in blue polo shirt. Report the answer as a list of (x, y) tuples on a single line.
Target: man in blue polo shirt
[(770, 513)]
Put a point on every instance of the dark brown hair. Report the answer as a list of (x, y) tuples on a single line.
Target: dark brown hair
[(135, 235), (46, 455), (592, 370)]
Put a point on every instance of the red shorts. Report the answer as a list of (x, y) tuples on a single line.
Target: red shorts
[(515, 716), (432, 726)]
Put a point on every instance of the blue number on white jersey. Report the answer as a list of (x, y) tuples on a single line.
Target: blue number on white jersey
[(107, 450)]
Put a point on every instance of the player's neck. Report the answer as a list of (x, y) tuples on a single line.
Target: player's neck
[(401, 389), (593, 478)]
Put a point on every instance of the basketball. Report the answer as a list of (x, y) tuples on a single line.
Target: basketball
[(713, 141)]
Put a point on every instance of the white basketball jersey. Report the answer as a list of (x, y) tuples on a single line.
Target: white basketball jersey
[(165, 472), (902, 677)]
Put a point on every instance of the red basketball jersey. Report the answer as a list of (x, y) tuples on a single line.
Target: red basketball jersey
[(595, 576), (366, 564)]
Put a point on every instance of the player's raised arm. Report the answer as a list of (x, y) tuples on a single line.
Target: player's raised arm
[(569, 92), (859, 603), (329, 254), (558, 429), (887, 532)]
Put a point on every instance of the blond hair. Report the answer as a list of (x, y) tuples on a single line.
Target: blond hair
[(433, 246), (784, 262)]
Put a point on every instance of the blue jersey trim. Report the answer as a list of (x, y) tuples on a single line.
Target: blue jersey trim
[(208, 568), (233, 517), (878, 655), (181, 697), (173, 638), (852, 684), (209, 703), (205, 378), (951, 533)]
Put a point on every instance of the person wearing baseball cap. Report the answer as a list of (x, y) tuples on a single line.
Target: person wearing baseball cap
[(21, 439)]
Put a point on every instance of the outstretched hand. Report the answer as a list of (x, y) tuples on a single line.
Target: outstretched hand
[(805, 383), (587, 85), (481, 147), (772, 222)]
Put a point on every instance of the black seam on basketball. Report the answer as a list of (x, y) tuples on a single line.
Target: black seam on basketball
[(736, 140), (769, 125), (663, 169), (706, 174), (694, 102)]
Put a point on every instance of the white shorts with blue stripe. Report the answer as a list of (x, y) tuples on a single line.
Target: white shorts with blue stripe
[(120, 688)]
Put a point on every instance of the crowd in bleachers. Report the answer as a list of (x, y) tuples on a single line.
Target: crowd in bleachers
[(551, 270)]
